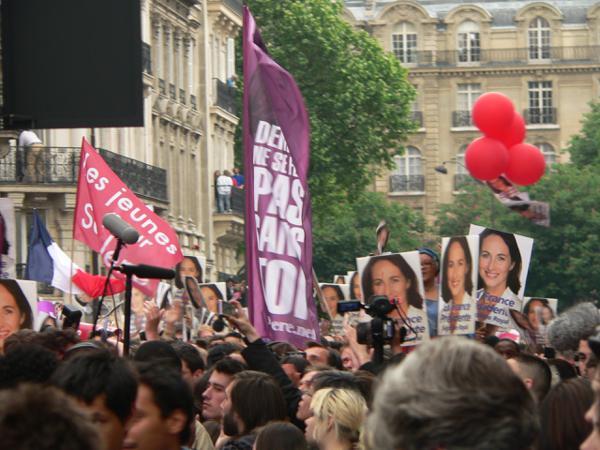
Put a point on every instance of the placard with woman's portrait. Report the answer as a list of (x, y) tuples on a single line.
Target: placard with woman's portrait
[(398, 277), (503, 265), (458, 285)]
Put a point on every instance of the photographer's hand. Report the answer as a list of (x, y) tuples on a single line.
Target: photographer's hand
[(241, 322), (360, 351)]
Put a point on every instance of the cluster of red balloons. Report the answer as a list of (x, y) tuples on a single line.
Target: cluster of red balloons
[(501, 150)]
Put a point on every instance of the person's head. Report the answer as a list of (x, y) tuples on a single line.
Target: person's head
[(430, 264), (499, 262), (212, 295), (227, 173), (163, 410), (356, 293), (534, 372), (252, 400), (15, 311), (26, 363), (306, 388), (392, 276), (280, 435), (452, 393), (507, 348), (349, 359), (192, 364), (221, 375), (332, 294), (106, 386), (33, 417), (531, 309), (188, 267), (337, 416), (222, 350), (294, 367), (562, 415), (456, 270), (317, 354), (592, 416), (159, 353), (137, 301)]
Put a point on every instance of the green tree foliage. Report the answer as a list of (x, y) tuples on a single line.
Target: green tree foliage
[(566, 256), (348, 231), (357, 95), (585, 146)]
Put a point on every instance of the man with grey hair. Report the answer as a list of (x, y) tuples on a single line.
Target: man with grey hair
[(569, 332), (450, 394)]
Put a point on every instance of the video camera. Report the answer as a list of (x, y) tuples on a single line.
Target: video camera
[(381, 327)]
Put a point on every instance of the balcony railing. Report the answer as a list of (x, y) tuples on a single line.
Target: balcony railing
[(162, 89), (60, 166), (540, 116), (172, 92), (193, 102), (146, 58), (226, 97), (182, 96), (504, 57), (238, 201), (407, 183), (235, 5), (417, 117), (461, 119)]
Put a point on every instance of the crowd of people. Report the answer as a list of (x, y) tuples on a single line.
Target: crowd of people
[(224, 183), (234, 390)]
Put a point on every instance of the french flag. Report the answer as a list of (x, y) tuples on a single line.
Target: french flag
[(46, 262)]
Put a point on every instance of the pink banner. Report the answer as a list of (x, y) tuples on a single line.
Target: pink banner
[(278, 213), (100, 192)]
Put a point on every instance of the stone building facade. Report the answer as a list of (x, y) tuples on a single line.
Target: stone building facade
[(189, 121), (544, 55)]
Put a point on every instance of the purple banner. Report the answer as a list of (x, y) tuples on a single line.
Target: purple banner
[(278, 212)]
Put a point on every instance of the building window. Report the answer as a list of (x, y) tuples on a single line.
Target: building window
[(469, 43), (467, 94), (461, 174), (548, 152), (540, 109), (539, 39), (404, 43), (408, 175)]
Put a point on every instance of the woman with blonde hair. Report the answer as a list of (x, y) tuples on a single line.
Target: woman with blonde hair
[(337, 419)]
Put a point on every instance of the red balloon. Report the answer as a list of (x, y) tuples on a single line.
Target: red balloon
[(515, 134), (493, 114), (486, 158), (526, 164)]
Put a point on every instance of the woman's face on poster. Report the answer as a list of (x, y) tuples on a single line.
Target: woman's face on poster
[(137, 301), (331, 298), (494, 264), (389, 280), (457, 270), (535, 306), (547, 314), (356, 293), (11, 317), (188, 269), (210, 298)]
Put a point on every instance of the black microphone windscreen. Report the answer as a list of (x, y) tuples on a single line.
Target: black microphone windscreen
[(120, 229), (145, 271), (218, 325)]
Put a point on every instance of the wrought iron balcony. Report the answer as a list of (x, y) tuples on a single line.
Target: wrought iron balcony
[(238, 201), (462, 119), (146, 58), (226, 97), (60, 166), (182, 96), (407, 183), (504, 57), (193, 102), (417, 117), (540, 116), (172, 92), (234, 5), (162, 89)]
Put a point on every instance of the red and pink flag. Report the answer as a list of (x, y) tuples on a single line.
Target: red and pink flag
[(278, 211), (99, 192)]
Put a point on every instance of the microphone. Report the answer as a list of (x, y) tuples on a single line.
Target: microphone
[(146, 271), (120, 229)]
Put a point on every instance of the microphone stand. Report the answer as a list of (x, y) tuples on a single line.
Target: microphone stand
[(126, 336), (114, 260)]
